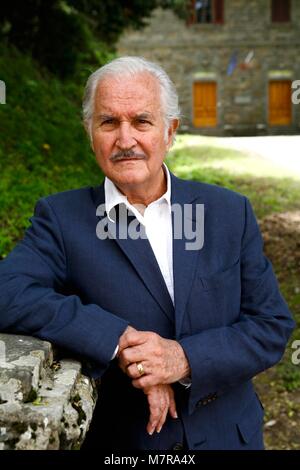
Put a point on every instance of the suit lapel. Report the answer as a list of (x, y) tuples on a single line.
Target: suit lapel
[(184, 261), (141, 257)]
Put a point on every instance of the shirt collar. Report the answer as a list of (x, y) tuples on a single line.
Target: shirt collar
[(114, 197)]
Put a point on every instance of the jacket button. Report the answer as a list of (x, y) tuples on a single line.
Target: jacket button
[(177, 446)]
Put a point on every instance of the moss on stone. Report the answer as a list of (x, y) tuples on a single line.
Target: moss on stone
[(76, 446)]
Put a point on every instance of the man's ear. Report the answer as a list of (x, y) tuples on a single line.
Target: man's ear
[(171, 131)]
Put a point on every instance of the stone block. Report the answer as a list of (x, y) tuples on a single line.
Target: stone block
[(44, 404)]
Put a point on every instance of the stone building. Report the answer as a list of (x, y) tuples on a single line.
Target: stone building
[(234, 62)]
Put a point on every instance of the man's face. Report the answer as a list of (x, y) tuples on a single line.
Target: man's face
[(128, 131)]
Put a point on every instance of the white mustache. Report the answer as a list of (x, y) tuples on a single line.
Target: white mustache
[(127, 155)]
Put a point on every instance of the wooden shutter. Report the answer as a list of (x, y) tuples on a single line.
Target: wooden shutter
[(280, 103), (219, 11), (205, 104), (281, 11)]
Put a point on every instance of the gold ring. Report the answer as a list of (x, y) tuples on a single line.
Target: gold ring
[(140, 368)]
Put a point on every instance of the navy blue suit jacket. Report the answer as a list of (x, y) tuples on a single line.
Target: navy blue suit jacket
[(63, 284)]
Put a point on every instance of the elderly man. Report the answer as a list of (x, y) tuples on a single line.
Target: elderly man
[(176, 331)]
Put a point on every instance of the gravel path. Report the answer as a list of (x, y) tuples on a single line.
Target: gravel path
[(283, 151)]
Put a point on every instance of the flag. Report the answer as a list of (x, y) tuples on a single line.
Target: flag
[(248, 62), (232, 64), (249, 57)]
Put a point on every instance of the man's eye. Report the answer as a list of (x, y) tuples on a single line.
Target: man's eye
[(143, 122), (107, 121)]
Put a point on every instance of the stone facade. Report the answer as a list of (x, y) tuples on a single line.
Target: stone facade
[(202, 52), (44, 404)]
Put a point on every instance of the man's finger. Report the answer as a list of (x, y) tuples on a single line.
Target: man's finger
[(146, 381), (155, 414), (131, 338), (136, 370), (133, 354), (172, 407), (163, 417)]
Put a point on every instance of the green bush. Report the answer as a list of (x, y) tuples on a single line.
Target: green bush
[(43, 146)]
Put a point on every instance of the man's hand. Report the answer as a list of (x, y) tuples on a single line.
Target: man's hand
[(163, 360), (161, 401)]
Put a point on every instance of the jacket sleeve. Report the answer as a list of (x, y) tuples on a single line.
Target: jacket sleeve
[(221, 358), (31, 279)]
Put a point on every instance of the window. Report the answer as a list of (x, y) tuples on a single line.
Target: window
[(206, 11), (281, 11), (203, 11)]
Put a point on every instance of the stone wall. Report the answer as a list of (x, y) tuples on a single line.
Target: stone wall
[(44, 404), (198, 51)]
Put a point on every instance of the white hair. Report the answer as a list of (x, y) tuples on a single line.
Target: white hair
[(130, 66)]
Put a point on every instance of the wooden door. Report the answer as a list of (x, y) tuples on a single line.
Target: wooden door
[(280, 103), (205, 104)]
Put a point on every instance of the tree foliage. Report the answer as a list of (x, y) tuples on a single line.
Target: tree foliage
[(180, 7), (60, 33)]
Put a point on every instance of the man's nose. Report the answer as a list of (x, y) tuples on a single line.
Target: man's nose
[(125, 138)]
